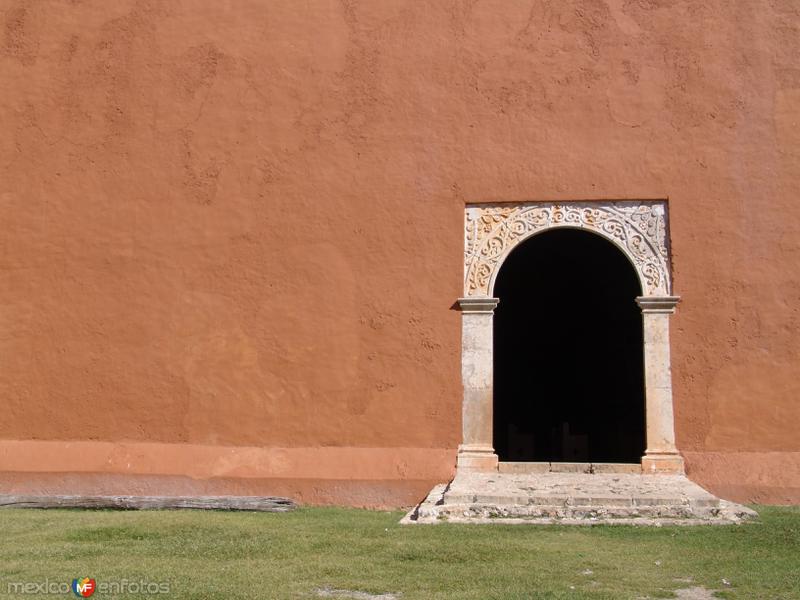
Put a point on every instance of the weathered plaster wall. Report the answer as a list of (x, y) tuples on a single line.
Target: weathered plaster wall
[(233, 230)]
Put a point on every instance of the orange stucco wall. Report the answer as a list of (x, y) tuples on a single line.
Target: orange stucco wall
[(231, 232)]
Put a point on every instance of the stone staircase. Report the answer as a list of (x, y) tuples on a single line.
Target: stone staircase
[(575, 499)]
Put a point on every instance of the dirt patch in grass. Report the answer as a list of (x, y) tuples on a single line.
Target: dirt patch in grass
[(354, 595), (695, 593)]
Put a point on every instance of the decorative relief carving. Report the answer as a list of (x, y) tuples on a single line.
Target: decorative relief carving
[(639, 229)]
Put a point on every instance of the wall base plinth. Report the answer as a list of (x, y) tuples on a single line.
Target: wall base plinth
[(668, 463)]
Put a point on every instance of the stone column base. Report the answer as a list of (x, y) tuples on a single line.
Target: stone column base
[(668, 463), (480, 459)]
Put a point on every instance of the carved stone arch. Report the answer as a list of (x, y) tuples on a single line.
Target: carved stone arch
[(639, 229), (492, 231)]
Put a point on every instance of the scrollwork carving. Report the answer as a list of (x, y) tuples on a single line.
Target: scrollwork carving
[(639, 229)]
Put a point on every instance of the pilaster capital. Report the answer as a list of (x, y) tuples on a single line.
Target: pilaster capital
[(478, 305), (658, 304)]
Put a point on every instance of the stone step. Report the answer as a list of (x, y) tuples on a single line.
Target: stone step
[(494, 511), (593, 501), (575, 499)]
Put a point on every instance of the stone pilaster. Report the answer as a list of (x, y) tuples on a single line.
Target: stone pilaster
[(476, 452), (662, 455)]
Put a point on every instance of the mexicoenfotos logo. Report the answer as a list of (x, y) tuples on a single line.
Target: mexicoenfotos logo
[(84, 587)]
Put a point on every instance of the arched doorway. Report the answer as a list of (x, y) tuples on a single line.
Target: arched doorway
[(640, 231), (568, 361)]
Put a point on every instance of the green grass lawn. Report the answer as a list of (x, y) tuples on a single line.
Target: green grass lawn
[(293, 555)]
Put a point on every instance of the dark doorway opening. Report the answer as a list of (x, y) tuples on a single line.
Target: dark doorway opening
[(568, 360)]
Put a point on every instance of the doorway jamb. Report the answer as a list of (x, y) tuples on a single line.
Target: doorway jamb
[(662, 455), (476, 452)]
